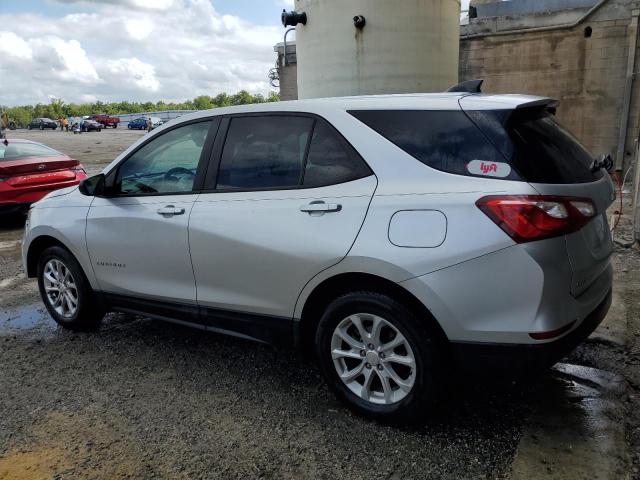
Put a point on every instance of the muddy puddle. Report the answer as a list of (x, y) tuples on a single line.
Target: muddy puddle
[(30, 317)]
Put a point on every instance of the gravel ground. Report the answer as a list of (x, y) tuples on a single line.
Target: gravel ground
[(146, 399), (142, 398)]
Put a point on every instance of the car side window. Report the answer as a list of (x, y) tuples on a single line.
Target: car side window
[(167, 164), (331, 160), (263, 152)]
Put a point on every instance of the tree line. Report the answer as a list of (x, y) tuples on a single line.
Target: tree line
[(57, 108)]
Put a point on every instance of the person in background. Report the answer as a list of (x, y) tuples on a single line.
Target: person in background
[(65, 123), (149, 124)]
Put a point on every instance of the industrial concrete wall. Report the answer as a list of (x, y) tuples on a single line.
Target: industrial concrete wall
[(288, 82), (587, 75), (287, 75)]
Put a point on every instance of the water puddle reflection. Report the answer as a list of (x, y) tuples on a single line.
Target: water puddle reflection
[(29, 317)]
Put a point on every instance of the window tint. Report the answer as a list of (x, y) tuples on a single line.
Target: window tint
[(264, 152), (167, 164), (16, 151), (329, 161), (444, 140), (545, 152)]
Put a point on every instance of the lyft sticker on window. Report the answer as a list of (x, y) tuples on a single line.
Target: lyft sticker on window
[(489, 169)]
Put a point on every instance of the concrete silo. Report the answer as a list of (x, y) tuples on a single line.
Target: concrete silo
[(360, 47)]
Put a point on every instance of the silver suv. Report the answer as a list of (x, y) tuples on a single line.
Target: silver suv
[(392, 236)]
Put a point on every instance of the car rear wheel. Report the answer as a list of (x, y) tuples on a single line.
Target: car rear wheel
[(377, 357), (66, 292)]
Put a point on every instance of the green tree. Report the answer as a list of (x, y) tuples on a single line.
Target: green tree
[(203, 102), (56, 108)]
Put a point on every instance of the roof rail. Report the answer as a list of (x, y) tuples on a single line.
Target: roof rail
[(470, 86)]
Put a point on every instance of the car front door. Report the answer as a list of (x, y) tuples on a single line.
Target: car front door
[(286, 201), (137, 236)]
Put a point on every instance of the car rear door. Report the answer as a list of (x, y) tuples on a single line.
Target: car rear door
[(137, 237), (286, 198)]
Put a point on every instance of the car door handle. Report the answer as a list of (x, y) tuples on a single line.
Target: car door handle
[(170, 210), (321, 207)]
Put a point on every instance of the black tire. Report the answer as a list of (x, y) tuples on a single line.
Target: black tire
[(89, 313), (423, 396), (115, 125)]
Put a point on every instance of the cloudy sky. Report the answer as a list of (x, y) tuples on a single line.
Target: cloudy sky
[(109, 50)]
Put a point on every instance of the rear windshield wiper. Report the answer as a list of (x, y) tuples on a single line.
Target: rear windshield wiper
[(605, 162)]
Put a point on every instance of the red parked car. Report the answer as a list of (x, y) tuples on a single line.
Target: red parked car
[(30, 170), (106, 120)]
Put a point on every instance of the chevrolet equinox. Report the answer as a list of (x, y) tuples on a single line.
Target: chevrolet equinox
[(391, 236)]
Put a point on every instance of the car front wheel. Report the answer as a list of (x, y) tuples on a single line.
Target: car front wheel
[(66, 292), (377, 357)]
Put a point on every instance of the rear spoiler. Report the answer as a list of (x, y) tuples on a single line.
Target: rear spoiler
[(549, 104), (511, 102)]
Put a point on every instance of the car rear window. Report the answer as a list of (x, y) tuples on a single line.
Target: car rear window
[(543, 151), (446, 140), (16, 151), (531, 142)]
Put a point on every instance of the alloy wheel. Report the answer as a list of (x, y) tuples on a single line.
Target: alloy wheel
[(60, 288), (373, 358)]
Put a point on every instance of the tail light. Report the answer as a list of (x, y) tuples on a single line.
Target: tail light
[(526, 218), (78, 169)]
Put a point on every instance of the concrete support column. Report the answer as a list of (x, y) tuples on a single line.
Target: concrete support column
[(632, 33)]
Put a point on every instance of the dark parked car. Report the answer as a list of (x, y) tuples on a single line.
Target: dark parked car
[(42, 123), (88, 125), (137, 124)]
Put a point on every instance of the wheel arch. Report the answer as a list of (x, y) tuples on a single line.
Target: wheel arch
[(342, 283), (36, 247)]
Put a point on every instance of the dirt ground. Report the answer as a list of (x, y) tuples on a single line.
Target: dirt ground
[(146, 399)]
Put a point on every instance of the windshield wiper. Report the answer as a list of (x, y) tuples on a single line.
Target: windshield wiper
[(605, 162)]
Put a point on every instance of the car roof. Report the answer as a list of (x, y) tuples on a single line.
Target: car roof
[(406, 101)]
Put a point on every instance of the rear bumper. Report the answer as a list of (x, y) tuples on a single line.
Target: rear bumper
[(495, 357)]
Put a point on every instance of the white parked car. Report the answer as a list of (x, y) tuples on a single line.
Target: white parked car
[(394, 236)]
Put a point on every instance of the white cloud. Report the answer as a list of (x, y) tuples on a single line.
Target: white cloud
[(15, 46), (131, 71), (139, 28), (141, 4), (75, 63), (132, 50)]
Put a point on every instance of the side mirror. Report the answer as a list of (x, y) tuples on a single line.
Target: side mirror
[(93, 186)]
